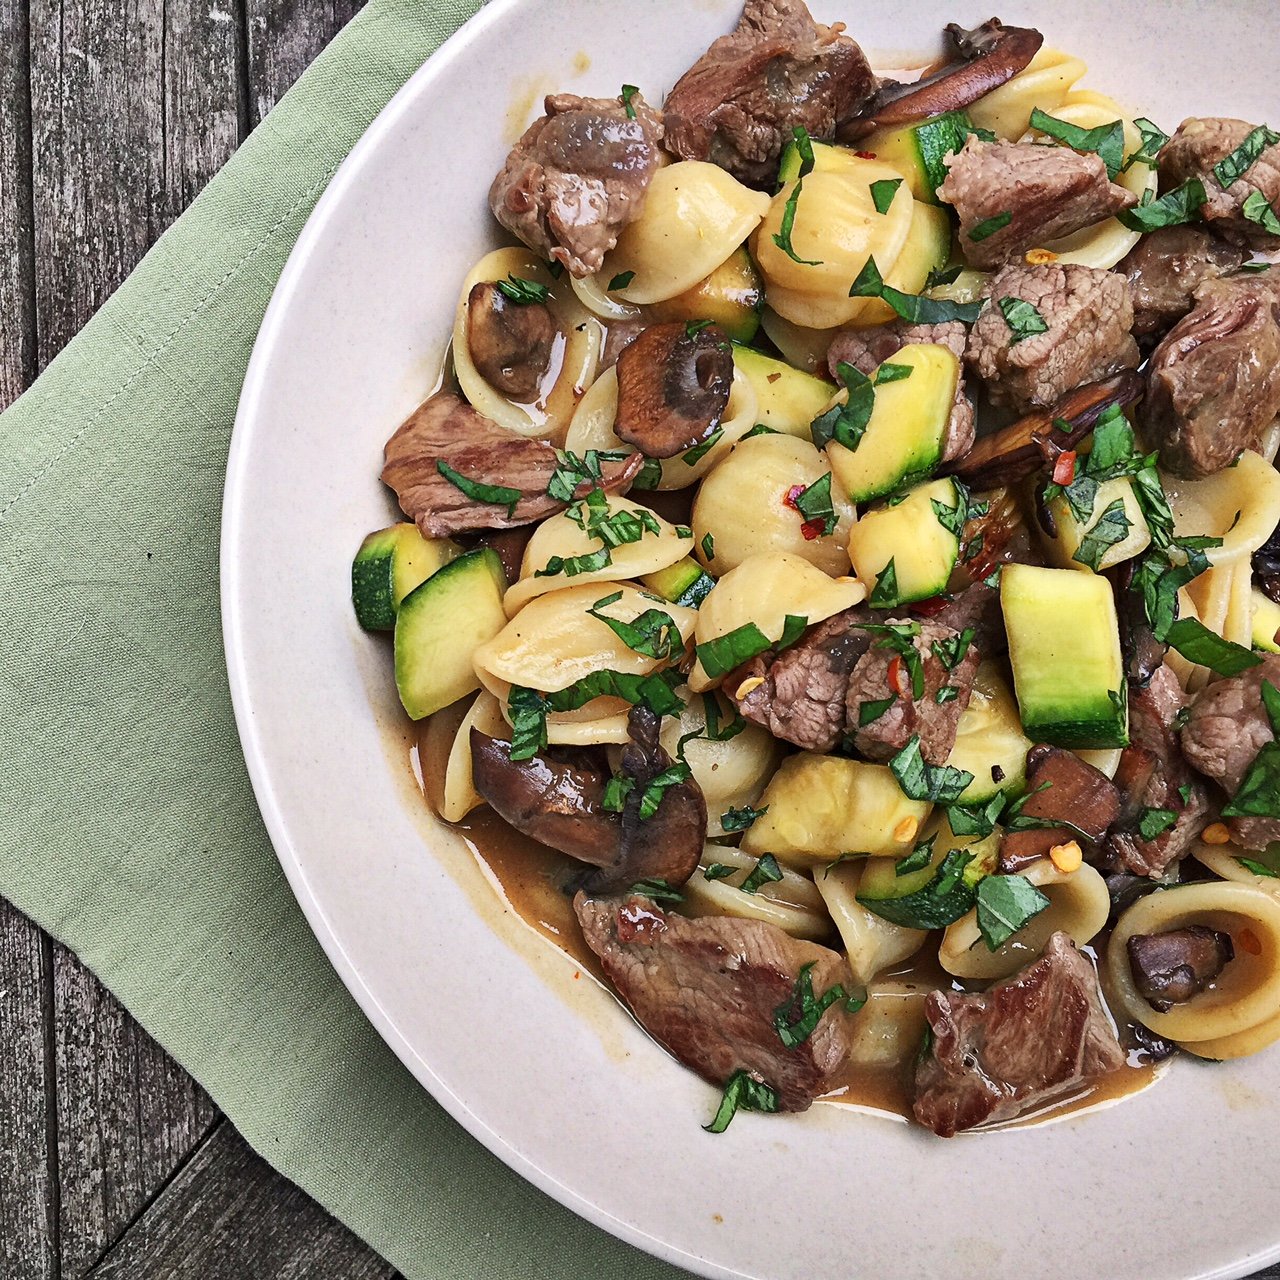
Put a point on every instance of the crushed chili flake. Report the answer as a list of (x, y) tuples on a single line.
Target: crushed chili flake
[(865, 155), (899, 681), (813, 529), (928, 608), (792, 496), (1249, 942), (1064, 470)]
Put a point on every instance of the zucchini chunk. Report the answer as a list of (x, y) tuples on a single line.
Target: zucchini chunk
[(732, 296), (990, 743), (787, 399), (906, 551), (1064, 647), (906, 432), (439, 627), (686, 582), (389, 564), (1266, 623), (919, 151)]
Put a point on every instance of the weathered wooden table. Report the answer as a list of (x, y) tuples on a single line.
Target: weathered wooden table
[(113, 115)]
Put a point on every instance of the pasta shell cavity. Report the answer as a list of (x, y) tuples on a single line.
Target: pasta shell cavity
[(574, 358), (561, 542), (1044, 82), (695, 215), (792, 903), (748, 507), (1078, 905), (764, 591), (1240, 1011), (872, 942)]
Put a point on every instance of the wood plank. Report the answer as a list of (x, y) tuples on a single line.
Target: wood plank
[(28, 1244), (284, 37), (228, 1215), (17, 298)]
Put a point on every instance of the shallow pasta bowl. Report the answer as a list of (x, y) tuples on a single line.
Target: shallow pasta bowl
[(545, 1069)]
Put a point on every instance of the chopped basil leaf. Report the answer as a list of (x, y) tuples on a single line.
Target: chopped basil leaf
[(621, 280), (658, 890), (899, 637), (946, 693), (694, 327), (804, 146), (951, 652), (629, 91), (952, 519), (1271, 702), (1253, 268), (1258, 868), (709, 546), (921, 780), (1153, 823), (656, 691), (741, 819), (718, 871), (497, 495), (1159, 577), (882, 193), (870, 712), (1198, 644), (846, 423), (616, 791), (941, 902), (699, 451), (1106, 141), (654, 633), (1233, 167), (885, 593), (528, 715), (727, 652), (1112, 526), (572, 471), (651, 799), (521, 291), (761, 430), (614, 529), (919, 858), (911, 307), (989, 226), (1153, 139), (1257, 209), (766, 871), (1259, 792), (742, 1092), (1180, 205), (815, 503), (782, 237), (1005, 904), (1185, 790), (574, 565), (942, 276), (797, 1017), (977, 821), (1024, 319), (649, 476)]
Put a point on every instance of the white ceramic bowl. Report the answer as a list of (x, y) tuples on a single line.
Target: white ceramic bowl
[(546, 1070)]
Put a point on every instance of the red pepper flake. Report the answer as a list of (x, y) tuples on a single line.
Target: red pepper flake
[(813, 529), (898, 679), (928, 608), (865, 155), (792, 495), (1064, 470)]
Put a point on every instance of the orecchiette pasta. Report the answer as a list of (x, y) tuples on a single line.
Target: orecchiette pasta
[(871, 942), (792, 903), (1044, 83)]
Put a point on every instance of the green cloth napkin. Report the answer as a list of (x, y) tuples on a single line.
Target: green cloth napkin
[(130, 830)]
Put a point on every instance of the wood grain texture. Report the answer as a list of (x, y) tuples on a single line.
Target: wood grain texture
[(28, 1243), (228, 1215), (17, 280), (284, 37)]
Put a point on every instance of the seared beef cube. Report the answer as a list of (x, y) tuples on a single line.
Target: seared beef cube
[(799, 694), (1088, 314), (1153, 774), (976, 608), (1227, 727), (707, 991), (1169, 968), (738, 104), (1035, 1037), (884, 675), (1031, 195), (1201, 144), (1213, 384), (1061, 788), (577, 177), (1166, 267)]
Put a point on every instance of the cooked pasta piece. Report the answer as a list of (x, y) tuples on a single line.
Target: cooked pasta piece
[(871, 942), (792, 903), (1044, 83), (890, 1026)]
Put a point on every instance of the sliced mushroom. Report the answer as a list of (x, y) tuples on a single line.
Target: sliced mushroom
[(982, 59), (1171, 967), (673, 387), (1023, 447), (1143, 653), (1266, 567), (511, 342)]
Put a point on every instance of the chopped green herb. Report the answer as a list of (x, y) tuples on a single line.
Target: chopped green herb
[(728, 652), (1198, 644), (989, 226), (1106, 141), (919, 858), (629, 91), (571, 566), (951, 651), (497, 495), (1153, 823), (911, 307), (741, 819), (1271, 703), (658, 890), (1112, 526), (656, 691), (528, 715), (742, 1092), (683, 531), (882, 193), (1153, 139), (846, 423), (572, 472), (1259, 793), (921, 780), (616, 791), (651, 798), (884, 594), (1024, 319), (899, 637), (761, 430), (946, 693), (870, 712), (942, 276), (1253, 268), (797, 1017), (980, 820), (889, 372), (1180, 205), (952, 519), (694, 327), (1161, 574), (649, 476), (1184, 791), (947, 897), (766, 871), (717, 871), (782, 237), (709, 546), (1005, 904), (654, 633), (1257, 209), (521, 291), (711, 714), (814, 503), (699, 451), (1233, 167), (621, 280), (1258, 868), (804, 147)]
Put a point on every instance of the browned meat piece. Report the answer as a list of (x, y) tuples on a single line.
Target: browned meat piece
[(578, 176), (509, 544), (1165, 268), (447, 429), (510, 342), (976, 608), (1035, 1037), (1169, 968), (1227, 727), (707, 990), (1151, 775), (621, 333), (1213, 384), (1143, 653), (737, 105), (881, 674), (802, 697), (1193, 151), (1035, 195), (868, 349), (673, 387), (1089, 315), (1081, 797)]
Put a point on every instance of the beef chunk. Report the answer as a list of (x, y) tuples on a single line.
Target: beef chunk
[(1193, 151), (707, 991), (510, 342), (1152, 775), (802, 695), (868, 349), (976, 608), (447, 429), (1165, 268), (1213, 384), (1089, 314), (737, 105), (1035, 1037), (1060, 788), (1049, 192), (577, 177), (882, 674), (1169, 968), (1227, 727)]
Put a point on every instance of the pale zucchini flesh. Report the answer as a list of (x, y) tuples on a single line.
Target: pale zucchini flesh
[(389, 565)]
